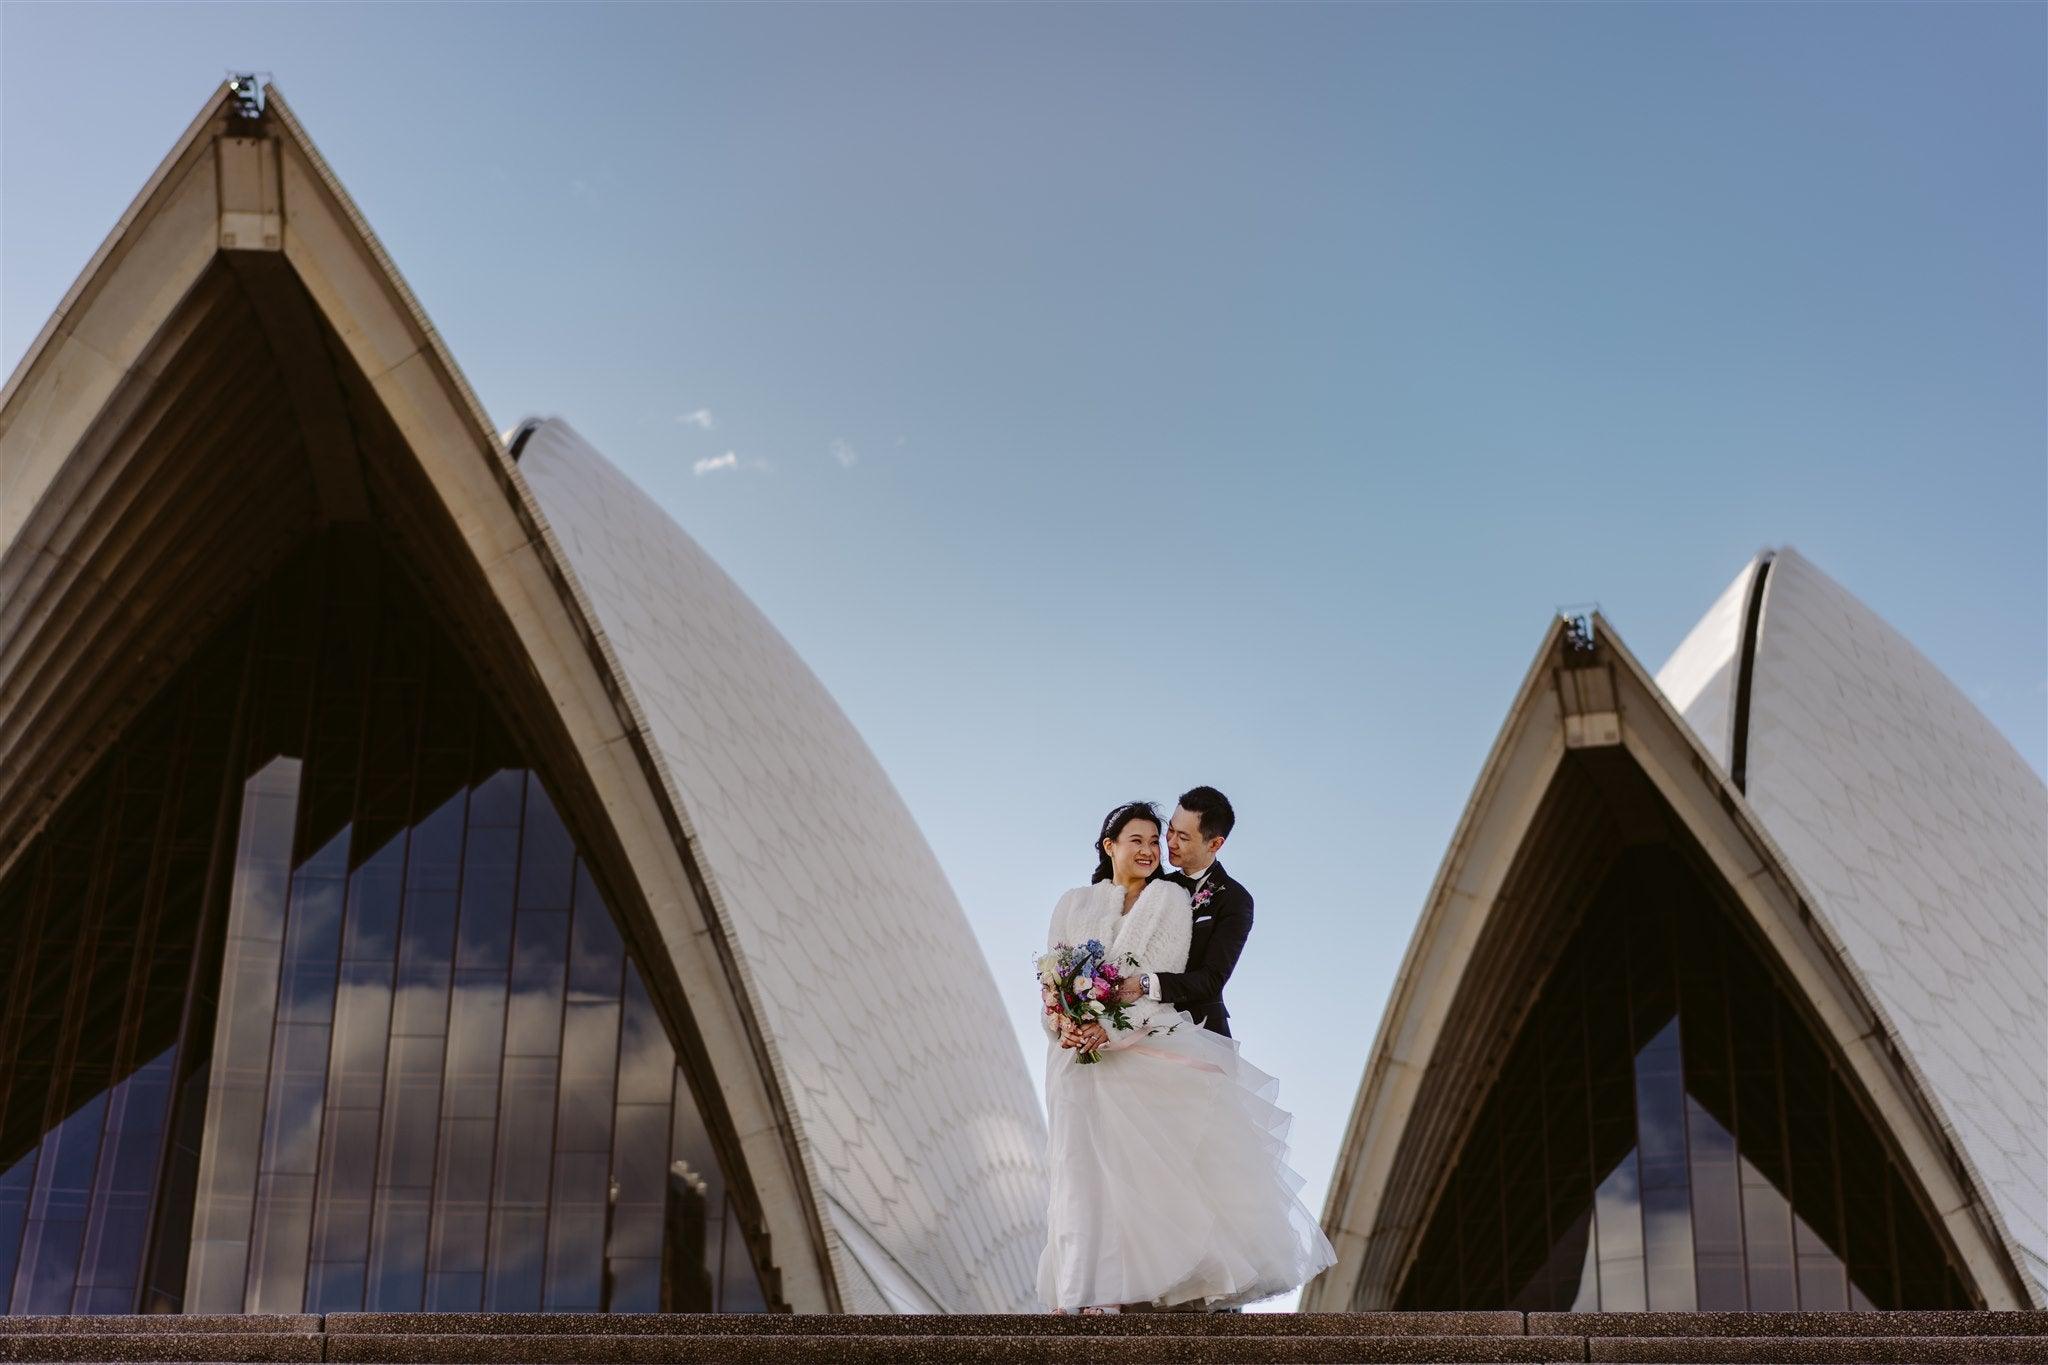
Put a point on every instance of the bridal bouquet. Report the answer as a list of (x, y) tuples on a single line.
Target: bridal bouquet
[(1079, 985)]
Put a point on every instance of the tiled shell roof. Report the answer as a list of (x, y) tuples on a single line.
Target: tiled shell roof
[(932, 1146), (1923, 834)]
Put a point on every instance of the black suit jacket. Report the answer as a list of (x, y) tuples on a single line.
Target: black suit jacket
[(1223, 921)]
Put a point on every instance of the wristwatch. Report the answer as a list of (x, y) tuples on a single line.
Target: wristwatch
[(1144, 983)]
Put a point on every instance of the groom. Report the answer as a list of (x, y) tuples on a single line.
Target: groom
[(1222, 912)]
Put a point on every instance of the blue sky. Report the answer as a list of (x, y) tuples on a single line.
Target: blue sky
[(1121, 398)]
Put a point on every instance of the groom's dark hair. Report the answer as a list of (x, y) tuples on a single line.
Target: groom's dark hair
[(1218, 819)]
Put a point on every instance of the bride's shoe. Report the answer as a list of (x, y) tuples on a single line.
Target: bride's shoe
[(1101, 1310)]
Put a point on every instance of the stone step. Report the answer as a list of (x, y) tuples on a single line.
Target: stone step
[(754, 1349), (960, 1324), (224, 1347), (1816, 1350), (1044, 1349), (1036, 1339), (1903, 1324), (102, 1324)]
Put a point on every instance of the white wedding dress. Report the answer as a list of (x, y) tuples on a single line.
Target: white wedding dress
[(1168, 1157)]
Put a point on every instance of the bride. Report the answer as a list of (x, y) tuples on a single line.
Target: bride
[(1170, 1183)]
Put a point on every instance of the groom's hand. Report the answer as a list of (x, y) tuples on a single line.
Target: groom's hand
[(1128, 990)]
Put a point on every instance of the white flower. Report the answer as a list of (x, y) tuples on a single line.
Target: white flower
[(1095, 1007), (1080, 985)]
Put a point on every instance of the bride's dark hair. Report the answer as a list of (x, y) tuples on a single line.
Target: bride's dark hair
[(1113, 828)]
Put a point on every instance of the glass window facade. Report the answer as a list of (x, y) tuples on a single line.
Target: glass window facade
[(1667, 1134), (313, 1004)]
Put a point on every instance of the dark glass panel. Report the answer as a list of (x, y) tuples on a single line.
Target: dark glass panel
[(461, 1214), (696, 1198), (1759, 1134), (119, 1209), (519, 1196), (1558, 1036), (597, 957), (490, 870), (1823, 1281), (691, 1247), (1610, 1069), (739, 1288), (1716, 1210), (576, 1227), (341, 1226), (640, 1169), (310, 1003), (398, 1254), (1525, 1221), (646, 1060), (15, 1183), (55, 1232), (362, 1035), (540, 960), (278, 1243), (1479, 1213), (640, 1249), (1721, 1277), (412, 1099), (334, 1287), (590, 1043), (547, 858), (1866, 1213), (1668, 1123), (453, 1291), (1666, 1192)]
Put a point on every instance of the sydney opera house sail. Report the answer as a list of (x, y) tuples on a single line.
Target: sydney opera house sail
[(426, 881), (1729, 994)]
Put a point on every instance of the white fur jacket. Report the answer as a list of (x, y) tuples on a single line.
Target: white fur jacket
[(1155, 933)]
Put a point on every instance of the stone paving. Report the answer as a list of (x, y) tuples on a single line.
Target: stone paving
[(1141, 1339)]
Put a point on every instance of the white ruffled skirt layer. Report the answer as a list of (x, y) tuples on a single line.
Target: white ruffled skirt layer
[(1170, 1182)]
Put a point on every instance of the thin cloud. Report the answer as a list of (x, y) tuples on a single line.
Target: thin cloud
[(730, 460), (700, 418), (847, 456)]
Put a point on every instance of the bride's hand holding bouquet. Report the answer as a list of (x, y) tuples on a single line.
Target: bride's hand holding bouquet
[(1080, 986)]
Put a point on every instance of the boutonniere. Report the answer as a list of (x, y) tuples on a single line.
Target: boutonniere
[(1202, 897)]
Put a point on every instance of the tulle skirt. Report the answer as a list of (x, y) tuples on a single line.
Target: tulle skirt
[(1170, 1182)]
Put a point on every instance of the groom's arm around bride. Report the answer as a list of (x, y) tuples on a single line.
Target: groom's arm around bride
[(1222, 910)]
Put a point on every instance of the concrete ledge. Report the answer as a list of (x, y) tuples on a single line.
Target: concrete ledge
[(119, 1346), (1819, 1350), (1932, 1338), (1910, 1324), (107, 1325), (949, 1325), (954, 1350)]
